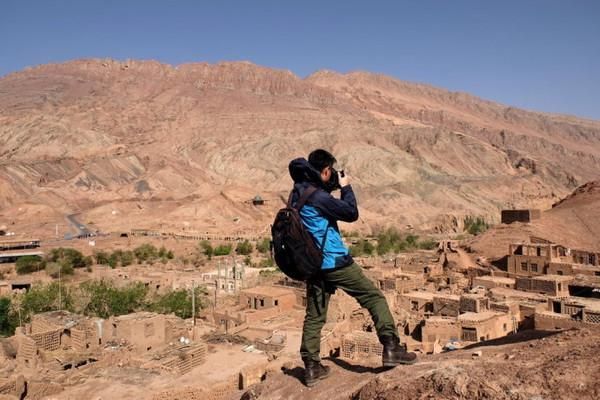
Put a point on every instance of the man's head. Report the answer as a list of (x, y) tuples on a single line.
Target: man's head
[(322, 161)]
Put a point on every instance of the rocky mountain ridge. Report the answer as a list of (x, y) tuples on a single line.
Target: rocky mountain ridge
[(112, 140)]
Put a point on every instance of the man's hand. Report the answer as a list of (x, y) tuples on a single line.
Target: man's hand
[(343, 180)]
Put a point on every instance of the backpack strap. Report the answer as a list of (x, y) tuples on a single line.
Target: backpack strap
[(302, 200)]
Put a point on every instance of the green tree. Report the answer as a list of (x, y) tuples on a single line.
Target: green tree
[(127, 258), (146, 252), (29, 264), (7, 324), (411, 240), (476, 225), (105, 299), (362, 247), (56, 269), (222, 250), (428, 244), (68, 256), (264, 246), (244, 248), (44, 298), (179, 302), (207, 248), (101, 257), (266, 263)]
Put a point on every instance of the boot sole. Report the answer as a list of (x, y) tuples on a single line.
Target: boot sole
[(313, 383)]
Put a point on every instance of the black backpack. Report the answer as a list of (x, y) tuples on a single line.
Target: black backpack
[(294, 248)]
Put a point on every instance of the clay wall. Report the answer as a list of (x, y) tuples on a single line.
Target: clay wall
[(511, 308), (48, 341), (252, 375), (143, 332), (40, 324), (442, 331), (548, 321), (585, 257), (498, 326), (8, 387), (27, 350), (473, 303), (510, 216), (526, 265), (548, 286), (358, 344), (256, 301), (589, 270), (446, 306), (417, 305), (78, 339), (556, 268), (255, 316), (490, 282), (186, 358)]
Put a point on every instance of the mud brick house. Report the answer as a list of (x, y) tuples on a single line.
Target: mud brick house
[(143, 330), (568, 313), (490, 282), (541, 257), (262, 297), (510, 216), (550, 285)]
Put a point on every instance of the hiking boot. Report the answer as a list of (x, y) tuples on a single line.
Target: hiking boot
[(395, 354), (314, 371)]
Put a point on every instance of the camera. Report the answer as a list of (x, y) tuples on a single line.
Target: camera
[(334, 181)]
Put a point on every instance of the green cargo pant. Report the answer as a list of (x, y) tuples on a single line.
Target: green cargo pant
[(352, 281)]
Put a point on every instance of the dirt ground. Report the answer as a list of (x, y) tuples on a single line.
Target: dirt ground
[(526, 366)]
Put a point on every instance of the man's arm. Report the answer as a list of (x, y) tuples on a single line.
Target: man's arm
[(343, 209)]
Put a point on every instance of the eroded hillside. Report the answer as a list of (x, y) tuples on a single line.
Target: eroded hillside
[(120, 140)]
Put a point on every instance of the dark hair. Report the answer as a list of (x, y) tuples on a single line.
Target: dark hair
[(320, 159)]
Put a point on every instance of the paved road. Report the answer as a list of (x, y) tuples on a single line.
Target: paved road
[(82, 230)]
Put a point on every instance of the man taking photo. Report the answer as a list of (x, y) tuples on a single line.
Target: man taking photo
[(319, 215)]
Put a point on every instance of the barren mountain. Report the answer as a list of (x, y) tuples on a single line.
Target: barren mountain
[(143, 144)]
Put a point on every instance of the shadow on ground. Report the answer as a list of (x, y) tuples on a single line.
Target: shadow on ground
[(519, 337)]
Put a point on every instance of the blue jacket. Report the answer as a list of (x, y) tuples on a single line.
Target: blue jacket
[(321, 213)]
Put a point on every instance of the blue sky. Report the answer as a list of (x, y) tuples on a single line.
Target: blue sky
[(539, 55)]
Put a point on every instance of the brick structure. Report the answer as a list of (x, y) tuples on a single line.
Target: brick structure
[(487, 325), (183, 358), (551, 285), (473, 302), (510, 216), (576, 308), (419, 303), (543, 257), (439, 330), (358, 344), (490, 282), (262, 297), (143, 330), (399, 282), (252, 375), (447, 305)]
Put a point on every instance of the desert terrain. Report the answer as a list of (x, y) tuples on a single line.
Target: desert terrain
[(135, 207)]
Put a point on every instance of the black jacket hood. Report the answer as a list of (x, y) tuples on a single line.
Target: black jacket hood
[(302, 172)]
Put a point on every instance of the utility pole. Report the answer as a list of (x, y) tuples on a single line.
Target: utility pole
[(193, 304), (59, 290)]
